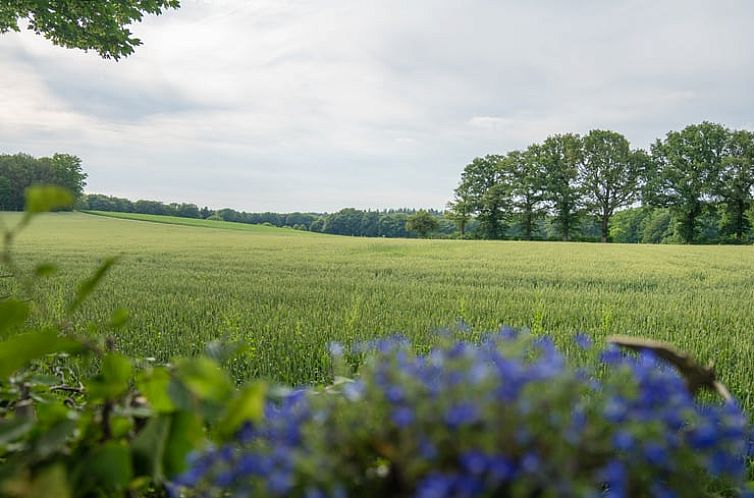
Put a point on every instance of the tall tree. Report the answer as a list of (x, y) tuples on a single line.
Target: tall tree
[(688, 165), (560, 156), (527, 181), (460, 209), (488, 195), (736, 181), (68, 173), (610, 173), (84, 24)]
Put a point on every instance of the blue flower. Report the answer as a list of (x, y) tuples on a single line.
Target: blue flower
[(582, 340), (614, 476), (461, 414), (336, 349), (623, 440), (279, 482), (402, 417), (435, 485), (474, 462)]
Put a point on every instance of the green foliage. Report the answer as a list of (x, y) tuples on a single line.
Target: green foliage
[(83, 24), (688, 164), (527, 179), (557, 189), (610, 172), (20, 171), (486, 194), (422, 223)]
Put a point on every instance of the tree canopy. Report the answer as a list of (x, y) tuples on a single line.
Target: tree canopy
[(695, 185), (20, 171), (83, 24)]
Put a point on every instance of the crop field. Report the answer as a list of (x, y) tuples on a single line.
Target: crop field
[(286, 294)]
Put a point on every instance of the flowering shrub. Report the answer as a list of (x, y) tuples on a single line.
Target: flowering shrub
[(507, 416)]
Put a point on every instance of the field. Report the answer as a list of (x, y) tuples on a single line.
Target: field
[(287, 294)]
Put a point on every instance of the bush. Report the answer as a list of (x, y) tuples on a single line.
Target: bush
[(505, 417)]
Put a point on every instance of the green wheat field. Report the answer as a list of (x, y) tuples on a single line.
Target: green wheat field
[(287, 294)]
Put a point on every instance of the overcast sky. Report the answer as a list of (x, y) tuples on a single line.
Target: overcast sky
[(316, 105)]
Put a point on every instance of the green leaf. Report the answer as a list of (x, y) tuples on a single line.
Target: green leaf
[(205, 379), (87, 286), (43, 198), (186, 434), (13, 313), (13, 429), (51, 482), (154, 386), (161, 447), (113, 380), (110, 465), (17, 351), (247, 405), (54, 439), (119, 318), (149, 447)]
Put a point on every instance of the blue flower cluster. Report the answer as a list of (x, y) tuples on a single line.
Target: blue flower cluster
[(504, 416)]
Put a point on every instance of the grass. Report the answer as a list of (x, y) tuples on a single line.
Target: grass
[(287, 294)]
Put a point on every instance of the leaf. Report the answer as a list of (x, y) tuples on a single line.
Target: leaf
[(205, 379), (119, 318), (186, 434), (247, 405), (13, 429), (54, 439), (13, 313), (113, 380), (161, 447), (110, 465), (154, 386), (51, 482), (17, 351), (148, 449), (44, 198), (87, 286)]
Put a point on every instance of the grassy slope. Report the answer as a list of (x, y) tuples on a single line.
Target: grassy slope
[(287, 293), (175, 220)]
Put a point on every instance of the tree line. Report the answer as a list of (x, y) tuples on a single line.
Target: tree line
[(698, 181), (19, 171), (348, 221)]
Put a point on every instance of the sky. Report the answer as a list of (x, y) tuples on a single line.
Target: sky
[(317, 105)]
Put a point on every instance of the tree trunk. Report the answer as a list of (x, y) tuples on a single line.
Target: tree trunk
[(527, 225), (740, 220), (604, 227)]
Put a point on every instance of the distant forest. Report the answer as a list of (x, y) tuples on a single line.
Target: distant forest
[(693, 186)]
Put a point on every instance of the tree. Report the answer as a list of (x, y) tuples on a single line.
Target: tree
[(559, 156), (488, 195), (84, 24), (736, 181), (19, 171), (460, 210), (610, 173), (527, 179), (688, 164), (422, 223), (68, 173)]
